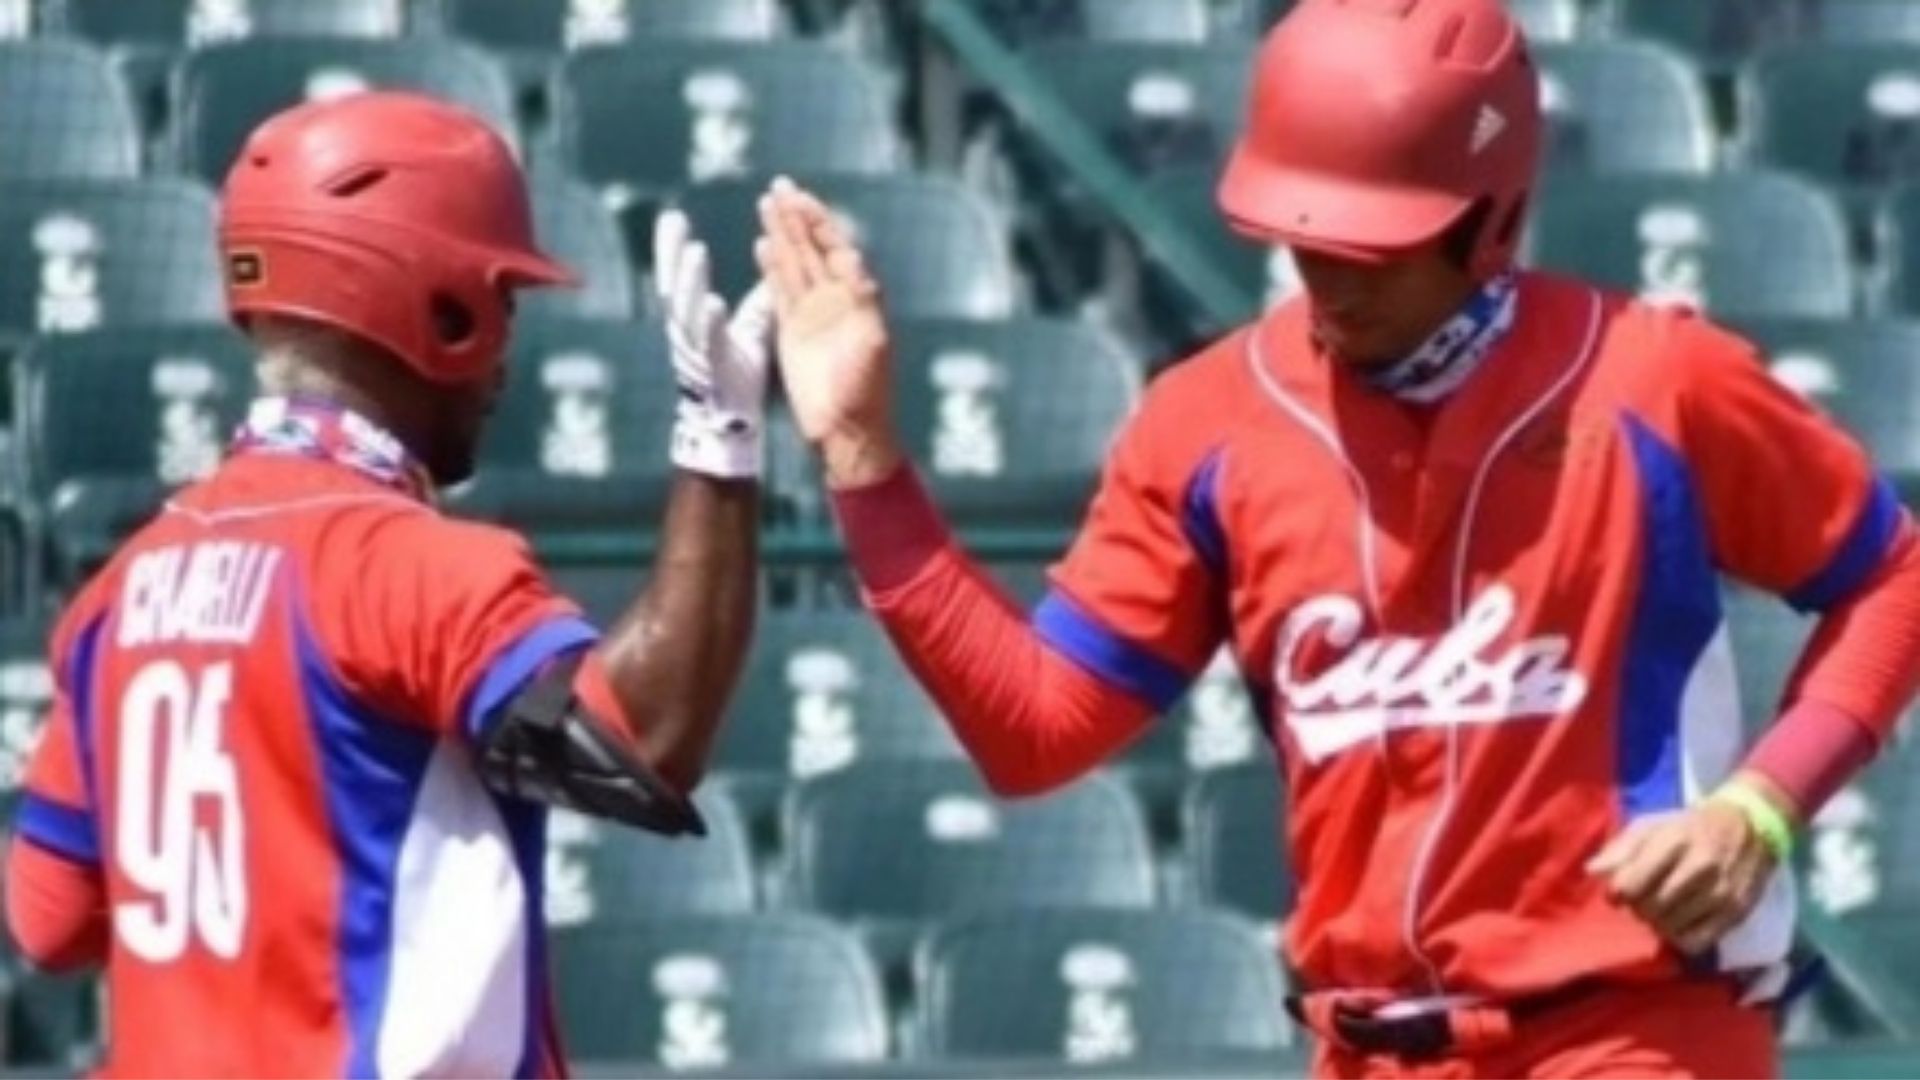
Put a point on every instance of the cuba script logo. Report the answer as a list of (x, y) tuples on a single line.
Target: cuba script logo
[(1381, 684)]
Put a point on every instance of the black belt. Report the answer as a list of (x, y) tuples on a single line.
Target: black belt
[(1430, 1035)]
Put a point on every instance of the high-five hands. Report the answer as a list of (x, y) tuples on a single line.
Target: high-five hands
[(719, 363), (832, 336)]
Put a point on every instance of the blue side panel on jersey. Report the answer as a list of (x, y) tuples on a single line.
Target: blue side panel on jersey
[(519, 662), (66, 831), (1078, 636), (79, 678), (1860, 554), (373, 771), (1675, 617), (1200, 515), (527, 827)]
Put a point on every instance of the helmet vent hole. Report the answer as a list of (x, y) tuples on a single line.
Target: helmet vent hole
[(453, 321), (357, 182)]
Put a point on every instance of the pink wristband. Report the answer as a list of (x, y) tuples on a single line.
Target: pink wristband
[(1811, 752)]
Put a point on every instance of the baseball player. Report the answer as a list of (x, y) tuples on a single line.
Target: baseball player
[(294, 787), (1462, 528)]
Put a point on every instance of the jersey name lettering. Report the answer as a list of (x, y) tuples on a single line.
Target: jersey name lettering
[(210, 593)]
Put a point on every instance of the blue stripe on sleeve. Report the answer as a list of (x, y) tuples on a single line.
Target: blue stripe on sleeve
[(64, 830), (519, 661), (1200, 515), (1859, 555), (1075, 634)]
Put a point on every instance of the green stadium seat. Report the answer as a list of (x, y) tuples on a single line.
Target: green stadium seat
[(1767, 638), (1163, 21), (551, 26), (1098, 988), (1898, 241), (199, 22), (1157, 107), (602, 873), (824, 691), (1866, 20), (639, 119), (1718, 34), (53, 1022), (579, 441), (1264, 273), (1866, 372), (1547, 20), (1623, 106), (26, 696), (64, 113), (222, 92), (1848, 115), (76, 255), (936, 246), (1214, 727), (576, 228), (1735, 244), (894, 845), (1236, 842), (772, 992), (170, 395), (1011, 420)]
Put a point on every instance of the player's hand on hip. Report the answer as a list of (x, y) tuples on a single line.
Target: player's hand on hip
[(831, 334), (1691, 874), (719, 358)]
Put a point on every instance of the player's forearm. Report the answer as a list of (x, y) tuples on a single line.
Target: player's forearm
[(1857, 676), (1030, 719), (674, 657)]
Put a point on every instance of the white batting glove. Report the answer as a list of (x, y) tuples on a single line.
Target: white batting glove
[(720, 363)]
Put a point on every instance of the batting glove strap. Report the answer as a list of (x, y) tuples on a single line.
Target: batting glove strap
[(713, 442)]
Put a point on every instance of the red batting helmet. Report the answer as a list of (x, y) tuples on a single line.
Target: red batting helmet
[(395, 217), (1374, 125)]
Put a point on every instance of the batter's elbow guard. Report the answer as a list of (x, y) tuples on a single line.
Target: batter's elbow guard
[(544, 746)]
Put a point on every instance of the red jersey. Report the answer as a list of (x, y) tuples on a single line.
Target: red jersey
[(260, 740), (1484, 634)]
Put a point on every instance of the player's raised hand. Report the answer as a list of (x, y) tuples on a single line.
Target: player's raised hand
[(1691, 874), (832, 336), (719, 361)]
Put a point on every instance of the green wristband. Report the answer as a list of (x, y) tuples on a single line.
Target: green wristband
[(1767, 819)]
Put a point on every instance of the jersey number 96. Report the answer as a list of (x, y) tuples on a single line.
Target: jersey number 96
[(183, 860)]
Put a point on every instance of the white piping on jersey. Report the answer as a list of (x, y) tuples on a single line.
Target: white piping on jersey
[(248, 513), (1436, 826)]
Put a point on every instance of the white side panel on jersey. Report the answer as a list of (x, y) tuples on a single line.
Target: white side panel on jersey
[(1710, 749), (456, 992)]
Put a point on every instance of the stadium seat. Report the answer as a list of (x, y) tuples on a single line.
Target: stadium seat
[(200, 22), (1214, 727), (1236, 841), (76, 255), (1157, 107), (1718, 34), (1767, 638), (937, 248), (1860, 860), (1264, 273), (576, 228), (1865, 372), (1898, 241), (894, 845), (222, 92), (1735, 244), (1848, 115), (551, 26), (602, 873), (1547, 20), (1866, 20), (64, 113), (825, 691), (16, 19), (1623, 106), (169, 395), (1163, 21), (52, 1021), (26, 695), (1098, 987), (776, 992), (1012, 420), (579, 441), (638, 119)]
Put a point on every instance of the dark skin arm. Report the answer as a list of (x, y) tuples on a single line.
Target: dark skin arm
[(673, 657)]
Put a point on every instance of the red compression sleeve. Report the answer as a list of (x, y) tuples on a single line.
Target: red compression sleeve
[(1031, 719), (56, 909), (1856, 677)]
